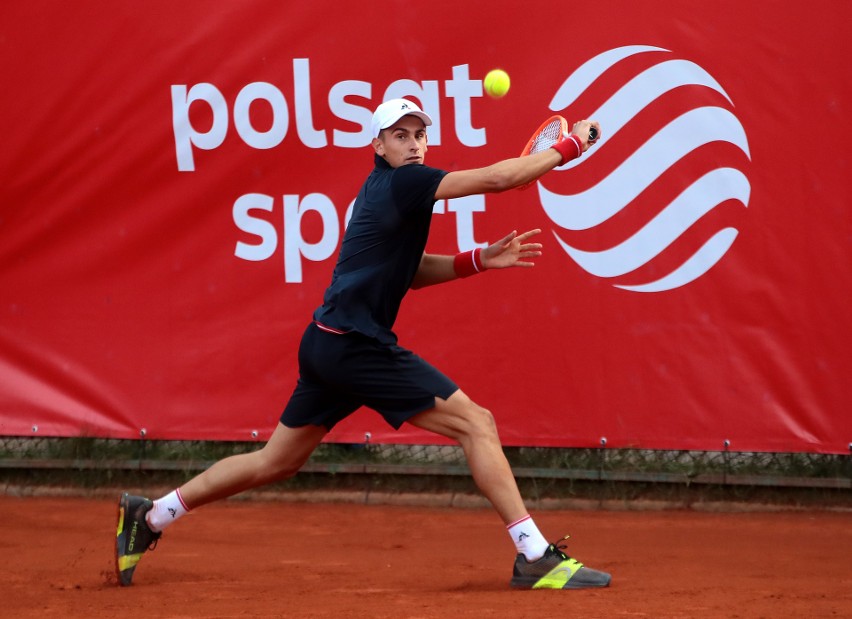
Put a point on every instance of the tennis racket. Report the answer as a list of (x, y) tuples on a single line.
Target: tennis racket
[(551, 132)]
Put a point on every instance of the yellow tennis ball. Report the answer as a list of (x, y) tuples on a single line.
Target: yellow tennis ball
[(497, 83)]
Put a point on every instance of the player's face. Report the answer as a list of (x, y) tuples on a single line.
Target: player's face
[(402, 143)]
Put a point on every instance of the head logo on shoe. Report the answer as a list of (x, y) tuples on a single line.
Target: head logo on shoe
[(131, 542), (559, 576)]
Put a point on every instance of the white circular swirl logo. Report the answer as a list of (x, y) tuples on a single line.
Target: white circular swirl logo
[(632, 172)]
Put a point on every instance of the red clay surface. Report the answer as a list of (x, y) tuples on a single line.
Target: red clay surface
[(268, 559)]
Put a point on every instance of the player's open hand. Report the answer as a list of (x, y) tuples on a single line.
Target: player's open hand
[(511, 251)]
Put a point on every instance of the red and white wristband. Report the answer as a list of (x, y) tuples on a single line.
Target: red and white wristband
[(570, 148), (468, 263)]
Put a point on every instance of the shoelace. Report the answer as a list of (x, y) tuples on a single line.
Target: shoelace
[(155, 537), (559, 546)]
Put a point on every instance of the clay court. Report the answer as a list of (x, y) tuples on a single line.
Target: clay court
[(284, 559)]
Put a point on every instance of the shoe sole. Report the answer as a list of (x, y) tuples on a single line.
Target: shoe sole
[(125, 580)]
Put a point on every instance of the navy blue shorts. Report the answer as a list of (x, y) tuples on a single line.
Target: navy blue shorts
[(339, 373)]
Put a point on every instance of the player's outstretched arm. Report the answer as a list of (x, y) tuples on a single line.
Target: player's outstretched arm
[(501, 176), (510, 173), (512, 250)]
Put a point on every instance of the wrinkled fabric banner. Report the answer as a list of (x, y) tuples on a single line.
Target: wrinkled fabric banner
[(176, 179)]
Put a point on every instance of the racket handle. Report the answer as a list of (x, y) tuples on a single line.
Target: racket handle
[(593, 134)]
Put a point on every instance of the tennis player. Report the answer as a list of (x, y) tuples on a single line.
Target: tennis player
[(349, 356)]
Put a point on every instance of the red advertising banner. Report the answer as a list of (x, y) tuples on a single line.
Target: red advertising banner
[(176, 179)]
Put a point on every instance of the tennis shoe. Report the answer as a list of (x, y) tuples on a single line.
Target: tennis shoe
[(133, 536), (556, 570)]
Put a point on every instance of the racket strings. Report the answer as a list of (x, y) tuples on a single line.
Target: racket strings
[(549, 135)]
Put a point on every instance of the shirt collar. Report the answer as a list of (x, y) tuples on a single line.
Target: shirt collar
[(381, 163)]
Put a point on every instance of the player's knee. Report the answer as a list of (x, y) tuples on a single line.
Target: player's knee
[(277, 466), (482, 424)]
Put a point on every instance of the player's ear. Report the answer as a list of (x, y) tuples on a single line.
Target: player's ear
[(379, 147)]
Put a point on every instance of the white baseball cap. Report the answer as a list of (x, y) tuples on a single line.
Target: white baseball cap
[(391, 111)]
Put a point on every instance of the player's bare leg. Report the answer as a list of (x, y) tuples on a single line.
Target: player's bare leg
[(461, 419), (282, 457), (538, 565)]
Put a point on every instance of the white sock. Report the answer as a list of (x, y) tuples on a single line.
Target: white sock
[(528, 539), (165, 511)]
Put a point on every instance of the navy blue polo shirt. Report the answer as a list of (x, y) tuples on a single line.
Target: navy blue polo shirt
[(381, 250)]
